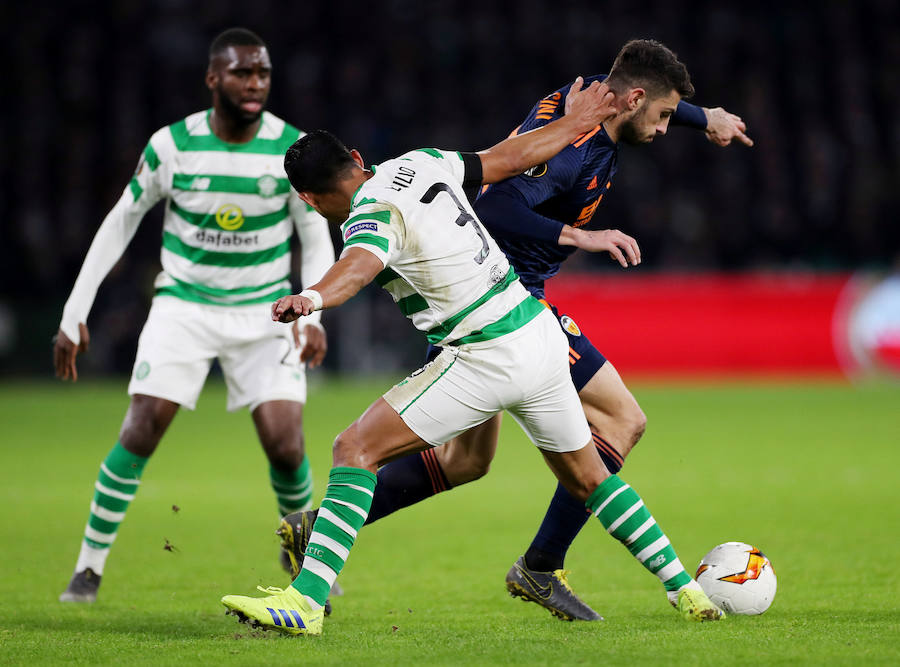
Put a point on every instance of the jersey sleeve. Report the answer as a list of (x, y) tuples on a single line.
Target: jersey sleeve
[(316, 250), (114, 235), (689, 115), (506, 215), (376, 227), (559, 174)]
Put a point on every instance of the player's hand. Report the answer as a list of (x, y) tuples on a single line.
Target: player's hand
[(590, 106), (620, 246), (316, 345), (289, 308), (722, 127), (65, 351)]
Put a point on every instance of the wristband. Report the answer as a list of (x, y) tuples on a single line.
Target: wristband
[(313, 296)]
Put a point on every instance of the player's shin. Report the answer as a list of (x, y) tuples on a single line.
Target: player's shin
[(116, 486), (342, 513), (623, 514), (565, 518), (293, 488)]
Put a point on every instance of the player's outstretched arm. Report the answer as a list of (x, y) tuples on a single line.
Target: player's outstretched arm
[(722, 127), (585, 109), (356, 269)]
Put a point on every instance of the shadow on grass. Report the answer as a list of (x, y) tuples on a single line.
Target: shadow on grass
[(150, 625)]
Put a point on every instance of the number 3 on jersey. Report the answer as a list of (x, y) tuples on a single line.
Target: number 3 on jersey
[(464, 217)]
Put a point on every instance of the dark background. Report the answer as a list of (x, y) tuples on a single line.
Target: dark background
[(86, 84)]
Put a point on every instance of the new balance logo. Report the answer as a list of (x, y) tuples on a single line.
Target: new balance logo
[(658, 561)]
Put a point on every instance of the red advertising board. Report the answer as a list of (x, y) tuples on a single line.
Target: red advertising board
[(673, 324)]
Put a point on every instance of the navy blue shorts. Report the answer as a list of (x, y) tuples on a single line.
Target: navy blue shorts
[(584, 359)]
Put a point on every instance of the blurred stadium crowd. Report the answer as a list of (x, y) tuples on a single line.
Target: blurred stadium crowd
[(816, 83)]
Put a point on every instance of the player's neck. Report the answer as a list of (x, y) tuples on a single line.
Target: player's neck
[(232, 130), (349, 186), (611, 127)]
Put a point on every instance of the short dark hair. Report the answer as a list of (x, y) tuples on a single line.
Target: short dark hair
[(648, 64), (316, 162), (234, 37)]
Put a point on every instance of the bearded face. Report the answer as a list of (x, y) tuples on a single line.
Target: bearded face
[(649, 120), (241, 82)]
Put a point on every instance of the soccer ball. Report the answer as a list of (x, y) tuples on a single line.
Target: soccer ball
[(738, 578)]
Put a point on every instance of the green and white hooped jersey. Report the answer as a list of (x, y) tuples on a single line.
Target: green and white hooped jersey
[(230, 212), (442, 268), (227, 225)]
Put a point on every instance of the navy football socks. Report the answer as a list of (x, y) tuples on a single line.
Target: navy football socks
[(564, 519), (405, 482)]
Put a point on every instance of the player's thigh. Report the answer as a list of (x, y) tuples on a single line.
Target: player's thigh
[(145, 423), (608, 404), (377, 437), (584, 357), (468, 456), (548, 410), (612, 409), (554, 420), (446, 397), (261, 364), (174, 353)]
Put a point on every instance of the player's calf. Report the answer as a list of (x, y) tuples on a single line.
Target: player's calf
[(622, 512)]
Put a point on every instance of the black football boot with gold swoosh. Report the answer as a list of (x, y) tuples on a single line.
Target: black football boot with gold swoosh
[(551, 590)]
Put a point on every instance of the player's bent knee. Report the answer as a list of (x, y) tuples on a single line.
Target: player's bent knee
[(588, 482), (582, 489), (462, 465), (469, 472), (481, 470), (637, 425), (145, 424), (348, 451)]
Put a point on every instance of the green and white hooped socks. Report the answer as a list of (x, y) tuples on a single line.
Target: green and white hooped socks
[(115, 488), (294, 490), (342, 513), (623, 514)]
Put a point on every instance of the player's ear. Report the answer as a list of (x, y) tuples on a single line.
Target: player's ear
[(211, 79), (308, 198), (636, 97), (357, 158)]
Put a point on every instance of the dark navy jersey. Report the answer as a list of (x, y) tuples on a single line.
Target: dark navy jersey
[(526, 213)]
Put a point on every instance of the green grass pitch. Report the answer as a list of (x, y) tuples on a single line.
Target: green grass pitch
[(807, 471)]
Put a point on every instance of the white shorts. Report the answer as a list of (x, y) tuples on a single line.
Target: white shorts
[(525, 373), (180, 340)]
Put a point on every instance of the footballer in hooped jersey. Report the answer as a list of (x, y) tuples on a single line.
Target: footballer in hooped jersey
[(229, 217), (538, 220), (408, 224)]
